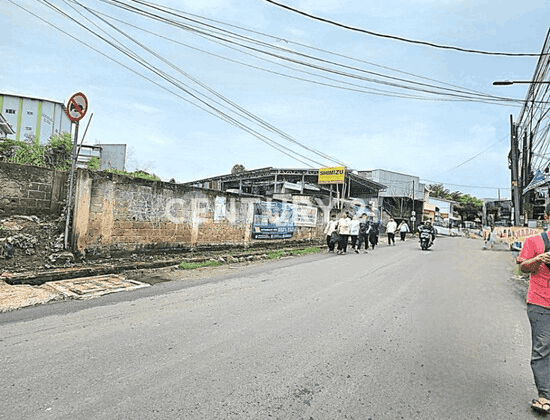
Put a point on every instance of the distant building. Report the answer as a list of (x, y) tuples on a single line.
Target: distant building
[(356, 193), (404, 195), (441, 212), (33, 117), (111, 156), (85, 153)]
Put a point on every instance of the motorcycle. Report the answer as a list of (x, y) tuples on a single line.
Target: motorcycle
[(426, 239)]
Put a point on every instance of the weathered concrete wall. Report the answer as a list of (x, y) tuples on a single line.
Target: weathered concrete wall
[(29, 190), (119, 214)]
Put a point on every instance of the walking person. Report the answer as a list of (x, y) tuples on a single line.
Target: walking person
[(373, 233), (343, 231), (391, 227), (492, 236), (534, 258), (354, 232), (403, 228), (364, 230), (329, 229)]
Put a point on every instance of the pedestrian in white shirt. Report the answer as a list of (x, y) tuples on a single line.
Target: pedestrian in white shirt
[(329, 229), (403, 229), (354, 232), (343, 230), (391, 227)]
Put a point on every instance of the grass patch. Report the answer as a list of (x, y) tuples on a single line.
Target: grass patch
[(310, 250), (193, 265), (275, 254), (278, 254)]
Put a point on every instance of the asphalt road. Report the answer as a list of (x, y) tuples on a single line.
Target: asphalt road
[(394, 334)]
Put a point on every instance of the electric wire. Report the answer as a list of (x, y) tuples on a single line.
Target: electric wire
[(289, 41), (149, 79), (398, 38), (362, 90), (239, 125), (248, 115), (372, 91), (221, 39), (479, 154), (259, 136), (463, 186)]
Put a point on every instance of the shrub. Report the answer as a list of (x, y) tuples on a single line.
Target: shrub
[(136, 174), (93, 163)]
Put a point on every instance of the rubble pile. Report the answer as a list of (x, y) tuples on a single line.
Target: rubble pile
[(27, 242)]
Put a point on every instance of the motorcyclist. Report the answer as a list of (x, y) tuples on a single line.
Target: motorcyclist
[(427, 225)]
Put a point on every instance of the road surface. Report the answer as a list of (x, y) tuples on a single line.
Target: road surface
[(397, 333)]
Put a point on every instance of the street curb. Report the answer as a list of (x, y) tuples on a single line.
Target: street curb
[(41, 277)]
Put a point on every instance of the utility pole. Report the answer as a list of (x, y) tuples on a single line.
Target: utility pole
[(413, 213), (514, 157), (74, 157)]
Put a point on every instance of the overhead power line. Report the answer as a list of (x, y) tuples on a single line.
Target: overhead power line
[(398, 38), (228, 39), (479, 154), (248, 115), (203, 104), (464, 186)]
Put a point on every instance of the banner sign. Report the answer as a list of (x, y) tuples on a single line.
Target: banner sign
[(273, 220), (334, 175), (306, 216)]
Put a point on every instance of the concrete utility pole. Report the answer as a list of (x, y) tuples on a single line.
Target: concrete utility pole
[(514, 157)]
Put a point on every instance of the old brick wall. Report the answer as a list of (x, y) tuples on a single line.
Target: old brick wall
[(118, 214), (31, 190)]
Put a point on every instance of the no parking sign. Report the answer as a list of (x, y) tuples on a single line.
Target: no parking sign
[(77, 107)]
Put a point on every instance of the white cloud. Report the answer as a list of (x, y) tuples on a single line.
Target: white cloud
[(146, 108)]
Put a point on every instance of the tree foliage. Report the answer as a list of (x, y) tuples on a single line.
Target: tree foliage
[(468, 207), (93, 163), (237, 168), (438, 191)]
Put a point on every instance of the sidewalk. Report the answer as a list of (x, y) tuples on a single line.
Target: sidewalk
[(20, 296)]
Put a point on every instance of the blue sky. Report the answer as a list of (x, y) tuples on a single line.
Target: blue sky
[(171, 137)]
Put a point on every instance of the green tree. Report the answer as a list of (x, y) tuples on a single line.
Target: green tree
[(237, 168), (438, 191), (455, 196), (469, 207)]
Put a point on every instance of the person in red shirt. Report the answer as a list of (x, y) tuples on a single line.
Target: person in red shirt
[(533, 259)]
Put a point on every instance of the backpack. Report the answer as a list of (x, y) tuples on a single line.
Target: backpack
[(544, 236)]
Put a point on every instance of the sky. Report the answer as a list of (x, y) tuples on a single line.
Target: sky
[(181, 130)]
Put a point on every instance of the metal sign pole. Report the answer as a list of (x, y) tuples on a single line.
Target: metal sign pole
[(71, 176)]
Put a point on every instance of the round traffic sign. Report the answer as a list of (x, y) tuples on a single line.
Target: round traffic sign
[(77, 107)]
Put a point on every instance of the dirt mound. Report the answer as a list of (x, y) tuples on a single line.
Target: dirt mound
[(30, 243)]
